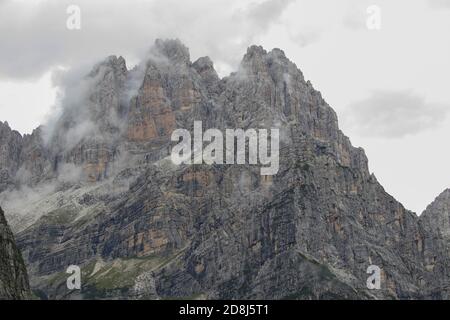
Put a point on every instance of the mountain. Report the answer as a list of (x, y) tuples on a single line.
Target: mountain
[(435, 220), (13, 274), (97, 188)]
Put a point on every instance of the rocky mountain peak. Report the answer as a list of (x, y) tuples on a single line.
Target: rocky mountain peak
[(4, 124), (254, 61), (205, 68), (10, 152), (6, 131), (437, 214), (173, 49), (119, 65), (270, 65), (310, 231), (112, 69), (254, 51), (277, 52), (435, 221), (441, 204), (115, 62), (257, 54), (204, 64)]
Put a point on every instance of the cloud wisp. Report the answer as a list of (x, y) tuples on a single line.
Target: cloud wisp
[(35, 38), (394, 114), (439, 4)]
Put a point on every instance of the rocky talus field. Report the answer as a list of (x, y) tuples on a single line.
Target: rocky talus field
[(96, 187)]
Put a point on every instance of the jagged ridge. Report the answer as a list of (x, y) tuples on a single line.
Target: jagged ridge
[(310, 231)]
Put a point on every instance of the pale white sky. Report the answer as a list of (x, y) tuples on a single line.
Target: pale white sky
[(388, 86)]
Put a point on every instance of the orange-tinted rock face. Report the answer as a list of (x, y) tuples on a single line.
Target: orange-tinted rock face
[(93, 158), (165, 123), (150, 242), (151, 116), (152, 95), (187, 96), (197, 181), (143, 130), (95, 171)]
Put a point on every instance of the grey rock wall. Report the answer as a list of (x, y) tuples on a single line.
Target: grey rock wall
[(13, 274), (134, 220)]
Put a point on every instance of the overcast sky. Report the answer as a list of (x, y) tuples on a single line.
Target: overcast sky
[(389, 86)]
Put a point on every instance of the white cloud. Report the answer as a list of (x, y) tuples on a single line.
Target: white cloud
[(439, 4), (394, 114), (34, 38), (23, 104)]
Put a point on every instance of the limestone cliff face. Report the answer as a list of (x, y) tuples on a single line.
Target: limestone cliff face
[(10, 150), (436, 222), (22, 159), (13, 274), (141, 227)]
